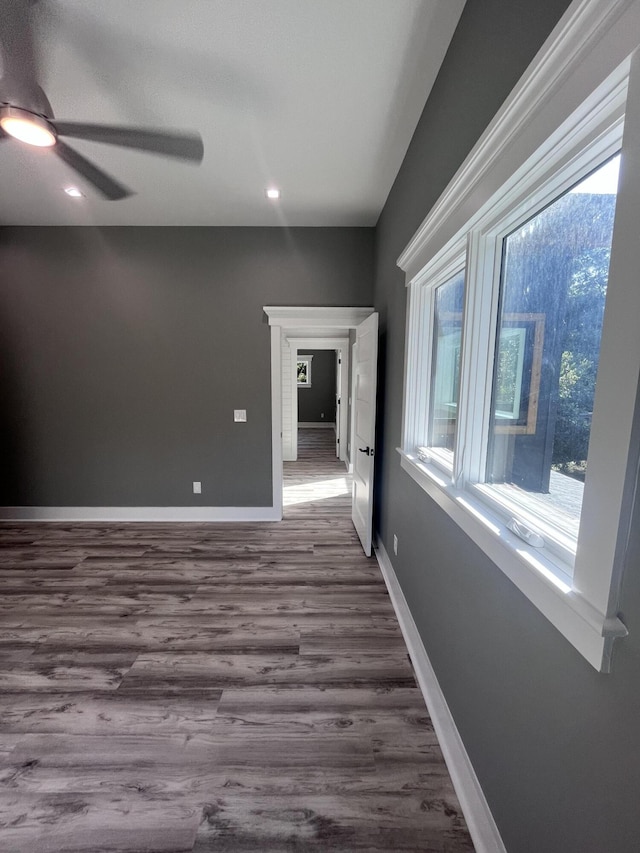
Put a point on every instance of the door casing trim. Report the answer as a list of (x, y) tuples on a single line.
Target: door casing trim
[(341, 346), (298, 321)]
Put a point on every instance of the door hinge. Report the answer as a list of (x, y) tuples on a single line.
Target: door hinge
[(338, 400), (339, 361)]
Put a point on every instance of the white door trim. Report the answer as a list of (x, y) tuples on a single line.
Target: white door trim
[(341, 346), (288, 319), (329, 318), (276, 420)]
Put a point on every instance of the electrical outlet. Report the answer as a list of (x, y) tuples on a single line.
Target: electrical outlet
[(197, 488), (395, 544), (322, 414)]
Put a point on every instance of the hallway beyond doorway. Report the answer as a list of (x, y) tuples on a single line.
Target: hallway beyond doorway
[(317, 476)]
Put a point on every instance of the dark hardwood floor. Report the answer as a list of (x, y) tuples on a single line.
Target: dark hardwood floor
[(223, 687)]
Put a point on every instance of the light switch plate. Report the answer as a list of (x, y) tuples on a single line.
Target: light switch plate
[(197, 488), (240, 416)]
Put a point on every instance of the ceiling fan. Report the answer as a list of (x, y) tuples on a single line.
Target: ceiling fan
[(27, 115)]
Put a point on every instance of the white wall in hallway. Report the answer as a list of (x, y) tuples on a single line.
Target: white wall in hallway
[(288, 449)]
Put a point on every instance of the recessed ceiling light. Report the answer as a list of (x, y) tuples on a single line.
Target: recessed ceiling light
[(27, 127), (272, 193), (74, 192)]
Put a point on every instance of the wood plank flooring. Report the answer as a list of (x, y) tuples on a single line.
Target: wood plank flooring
[(191, 687)]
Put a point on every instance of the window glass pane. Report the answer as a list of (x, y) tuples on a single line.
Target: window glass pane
[(553, 287), (445, 373)]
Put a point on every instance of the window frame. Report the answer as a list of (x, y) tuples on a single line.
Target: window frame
[(573, 133), (418, 367), (480, 355), (442, 455)]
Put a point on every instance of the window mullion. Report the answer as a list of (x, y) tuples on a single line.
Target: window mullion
[(477, 359), (415, 367), (411, 343), (427, 313), (464, 434)]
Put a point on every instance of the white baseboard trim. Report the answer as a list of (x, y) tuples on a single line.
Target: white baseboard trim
[(315, 425), (139, 513), (483, 829)]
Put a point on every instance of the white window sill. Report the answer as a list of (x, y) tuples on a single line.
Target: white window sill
[(508, 502), (546, 585)]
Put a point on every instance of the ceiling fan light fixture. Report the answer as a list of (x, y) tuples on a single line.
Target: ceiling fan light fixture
[(273, 193), (27, 127)]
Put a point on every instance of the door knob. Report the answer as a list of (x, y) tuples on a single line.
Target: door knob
[(367, 450)]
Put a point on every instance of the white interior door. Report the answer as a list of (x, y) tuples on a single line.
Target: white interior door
[(363, 439)]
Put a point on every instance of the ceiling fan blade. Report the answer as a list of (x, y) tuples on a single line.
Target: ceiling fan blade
[(185, 146), (105, 184)]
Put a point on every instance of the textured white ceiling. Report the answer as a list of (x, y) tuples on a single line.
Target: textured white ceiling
[(319, 97)]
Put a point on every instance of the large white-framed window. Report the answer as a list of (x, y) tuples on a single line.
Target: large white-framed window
[(541, 348), (505, 424)]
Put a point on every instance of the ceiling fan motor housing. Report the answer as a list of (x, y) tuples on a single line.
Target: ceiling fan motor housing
[(25, 95)]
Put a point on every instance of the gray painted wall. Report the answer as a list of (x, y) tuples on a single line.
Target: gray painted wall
[(554, 743), (123, 353), (320, 397)]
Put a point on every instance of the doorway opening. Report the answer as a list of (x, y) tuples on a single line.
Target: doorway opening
[(318, 393), (294, 330), (321, 400)]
